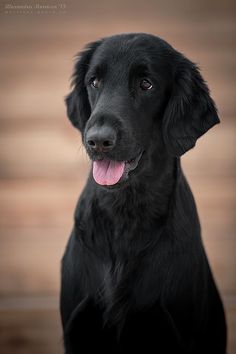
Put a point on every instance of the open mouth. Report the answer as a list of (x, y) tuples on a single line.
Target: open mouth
[(108, 172)]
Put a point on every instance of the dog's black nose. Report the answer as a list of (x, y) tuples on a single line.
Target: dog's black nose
[(101, 138)]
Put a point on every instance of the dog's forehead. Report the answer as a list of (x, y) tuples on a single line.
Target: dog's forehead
[(128, 49)]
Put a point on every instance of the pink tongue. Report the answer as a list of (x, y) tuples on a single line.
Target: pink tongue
[(108, 172)]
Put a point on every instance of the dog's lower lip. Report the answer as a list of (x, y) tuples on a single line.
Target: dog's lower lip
[(135, 160), (130, 166)]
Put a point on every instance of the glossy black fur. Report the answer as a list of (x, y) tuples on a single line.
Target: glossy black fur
[(135, 276)]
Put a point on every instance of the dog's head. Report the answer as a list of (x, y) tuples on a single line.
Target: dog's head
[(132, 95)]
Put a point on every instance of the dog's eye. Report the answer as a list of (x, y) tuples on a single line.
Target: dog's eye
[(145, 84), (95, 82)]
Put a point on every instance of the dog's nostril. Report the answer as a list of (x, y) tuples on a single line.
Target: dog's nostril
[(107, 143), (91, 143), (100, 138)]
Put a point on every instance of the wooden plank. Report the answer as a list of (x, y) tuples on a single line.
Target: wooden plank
[(36, 218), (27, 332), (37, 329), (230, 307), (211, 45), (30, 259), (38, 202), (50, 152), (43, 202)]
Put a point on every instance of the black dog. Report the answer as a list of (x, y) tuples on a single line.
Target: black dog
[(135, 276)]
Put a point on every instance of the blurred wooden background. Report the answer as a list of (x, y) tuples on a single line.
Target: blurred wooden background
[(44, 167)]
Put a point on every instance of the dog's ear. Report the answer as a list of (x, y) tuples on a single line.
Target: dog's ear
[(77, 103), (190, 111)]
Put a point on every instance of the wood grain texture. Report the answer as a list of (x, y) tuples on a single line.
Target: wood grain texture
[(27, 332), (43, 167)]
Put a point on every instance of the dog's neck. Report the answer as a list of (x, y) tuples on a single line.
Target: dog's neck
[(151, 194), (133, 211)]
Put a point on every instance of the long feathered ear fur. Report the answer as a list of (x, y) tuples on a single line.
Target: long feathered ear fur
[(190, 111), (78, 107)]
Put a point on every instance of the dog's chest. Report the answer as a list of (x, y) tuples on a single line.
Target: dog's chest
[(126, 262), (111, 277)]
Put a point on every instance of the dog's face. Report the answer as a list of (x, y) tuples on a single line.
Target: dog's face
[(134, 96)]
